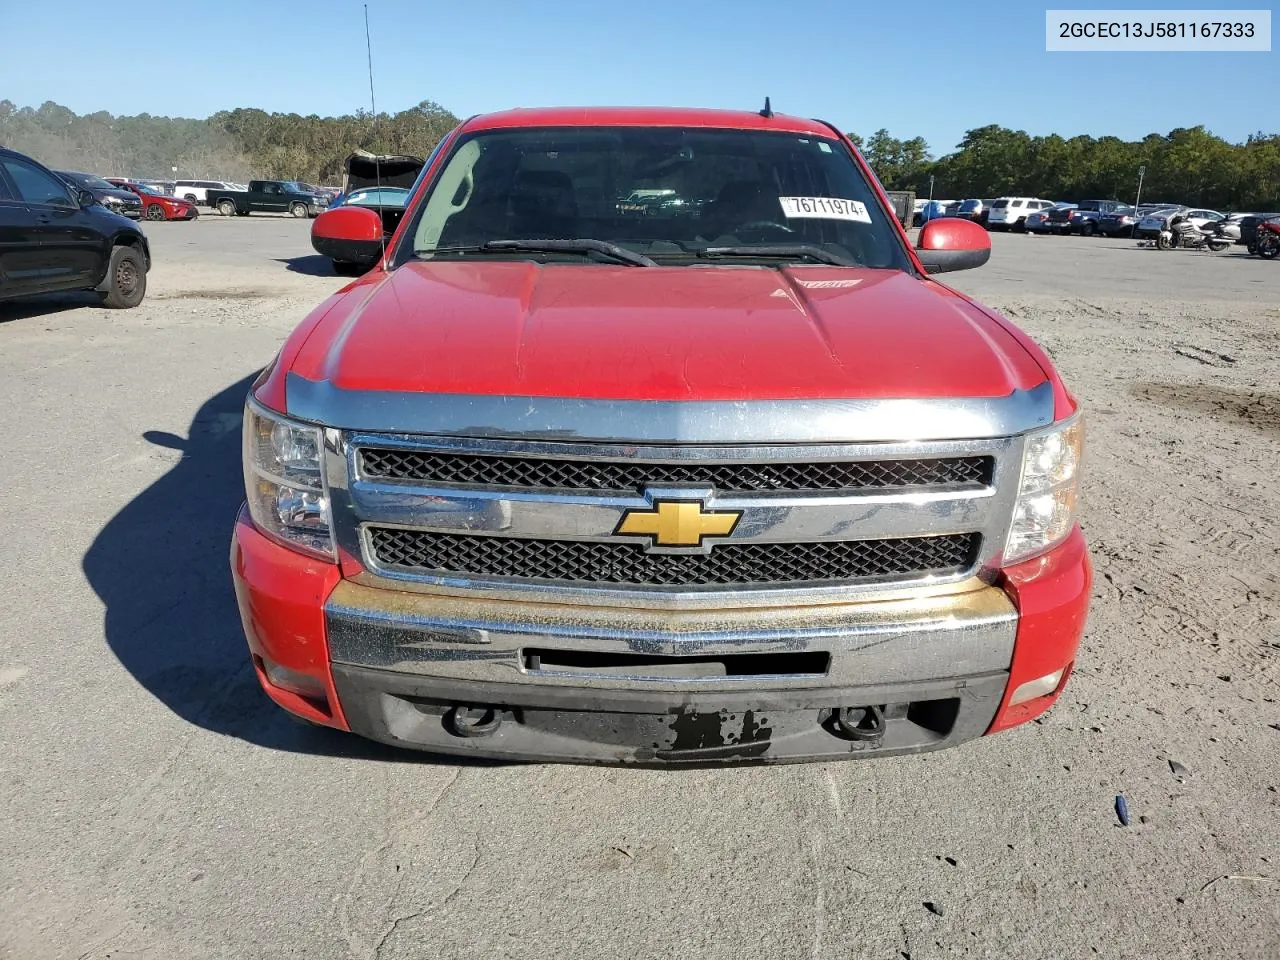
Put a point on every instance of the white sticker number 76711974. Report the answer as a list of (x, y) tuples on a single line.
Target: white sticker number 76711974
[(828, 208)]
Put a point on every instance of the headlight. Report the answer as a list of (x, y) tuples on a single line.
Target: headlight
[(284, 481), (1045, 510)]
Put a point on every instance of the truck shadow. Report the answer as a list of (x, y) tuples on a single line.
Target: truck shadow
[(161, 568), (313, 265), (45, 304)]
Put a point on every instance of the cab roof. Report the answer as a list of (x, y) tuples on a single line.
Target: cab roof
[(645, 117)]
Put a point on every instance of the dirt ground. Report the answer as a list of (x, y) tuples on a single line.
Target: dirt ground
[(155, 805)]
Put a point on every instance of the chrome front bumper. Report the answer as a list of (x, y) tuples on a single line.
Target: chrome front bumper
[(571, 683)]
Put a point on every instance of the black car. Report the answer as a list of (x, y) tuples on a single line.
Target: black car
[(116, 199), (1249, 229), (1083, 217), (1119, 222), (54, 237)]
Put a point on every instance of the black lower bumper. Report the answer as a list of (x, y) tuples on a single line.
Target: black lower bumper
[(627, 726)]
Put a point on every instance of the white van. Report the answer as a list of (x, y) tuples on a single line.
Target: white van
[(196, 190), (1011, 212)]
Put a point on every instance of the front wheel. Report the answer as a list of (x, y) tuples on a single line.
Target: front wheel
[(1217, 246), (1269, 249), (226, 208), (299, 210), (126, 279), (1086, 229), (155, 212), (1164, 242)]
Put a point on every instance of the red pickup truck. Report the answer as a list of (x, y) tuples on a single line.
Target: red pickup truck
[(718, 475)]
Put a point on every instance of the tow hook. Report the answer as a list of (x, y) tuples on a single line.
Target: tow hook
[(465, 721), (865, 724)]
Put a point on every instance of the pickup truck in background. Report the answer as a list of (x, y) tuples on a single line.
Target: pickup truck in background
[(267, 196)]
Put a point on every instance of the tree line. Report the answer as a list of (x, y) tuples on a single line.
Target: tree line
[(1188, 165), (230, 145)]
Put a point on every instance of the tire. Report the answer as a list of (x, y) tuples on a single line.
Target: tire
[(299, 210), (226, 207), (344, 269), (155, 212), (1217, 246), (1087, 229), (1163, 242), (1269, 249), (126, 279), (190, 198)]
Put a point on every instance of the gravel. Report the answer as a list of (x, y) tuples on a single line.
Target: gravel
[(157, 806)]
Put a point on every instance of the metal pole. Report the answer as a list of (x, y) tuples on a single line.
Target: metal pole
[(1142, 172), (931, 188)]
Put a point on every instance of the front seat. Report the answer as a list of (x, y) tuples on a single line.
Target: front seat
[(543, 206)]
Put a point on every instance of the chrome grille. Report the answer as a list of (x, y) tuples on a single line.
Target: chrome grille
[(427, 466), (728, 564)]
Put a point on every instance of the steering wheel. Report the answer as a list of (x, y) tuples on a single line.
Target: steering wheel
[(760, 231)]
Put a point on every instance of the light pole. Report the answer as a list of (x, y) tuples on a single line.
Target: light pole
[(931, 188), (1142, 172)]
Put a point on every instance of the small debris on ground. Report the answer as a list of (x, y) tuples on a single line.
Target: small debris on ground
[(934, 908), (1122, 809), (1178, 770)]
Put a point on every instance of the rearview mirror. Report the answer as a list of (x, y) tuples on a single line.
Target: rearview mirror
[(85, 198), (952, 244), (348, 235)]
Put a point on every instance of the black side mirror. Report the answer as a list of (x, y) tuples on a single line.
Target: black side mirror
[(85, 198)]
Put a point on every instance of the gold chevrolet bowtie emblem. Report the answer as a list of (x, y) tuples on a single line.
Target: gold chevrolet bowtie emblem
[(678, 523)]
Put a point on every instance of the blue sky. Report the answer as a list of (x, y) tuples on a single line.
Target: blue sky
[(932, 69)]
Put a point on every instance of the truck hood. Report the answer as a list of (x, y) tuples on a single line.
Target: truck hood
[(661, 333)]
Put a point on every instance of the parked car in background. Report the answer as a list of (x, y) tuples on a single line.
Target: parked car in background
[(971, 210), (1082, 217), (1010, 213), (1154, 222), (1249, 228), (196, 191), (105, 192), (268, 196), (1037, 222), (1119, 222), (158, 206), (56, 236), (933, 209)]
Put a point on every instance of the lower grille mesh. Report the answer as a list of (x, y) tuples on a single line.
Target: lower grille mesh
[(728, 564)]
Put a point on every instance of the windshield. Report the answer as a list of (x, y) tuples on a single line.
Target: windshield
[(379, 197), (673, 195), (90, 181)]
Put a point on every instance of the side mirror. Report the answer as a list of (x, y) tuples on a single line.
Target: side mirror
[(85, 198), (348, 235), (951, 244)]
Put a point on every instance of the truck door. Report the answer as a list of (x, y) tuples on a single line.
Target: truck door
[(273, 197), (69, 252)]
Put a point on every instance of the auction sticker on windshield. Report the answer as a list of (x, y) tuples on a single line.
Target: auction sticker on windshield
[(829, 208)]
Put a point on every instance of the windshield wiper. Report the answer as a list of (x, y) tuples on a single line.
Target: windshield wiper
[(602, 247), (781, 251)]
